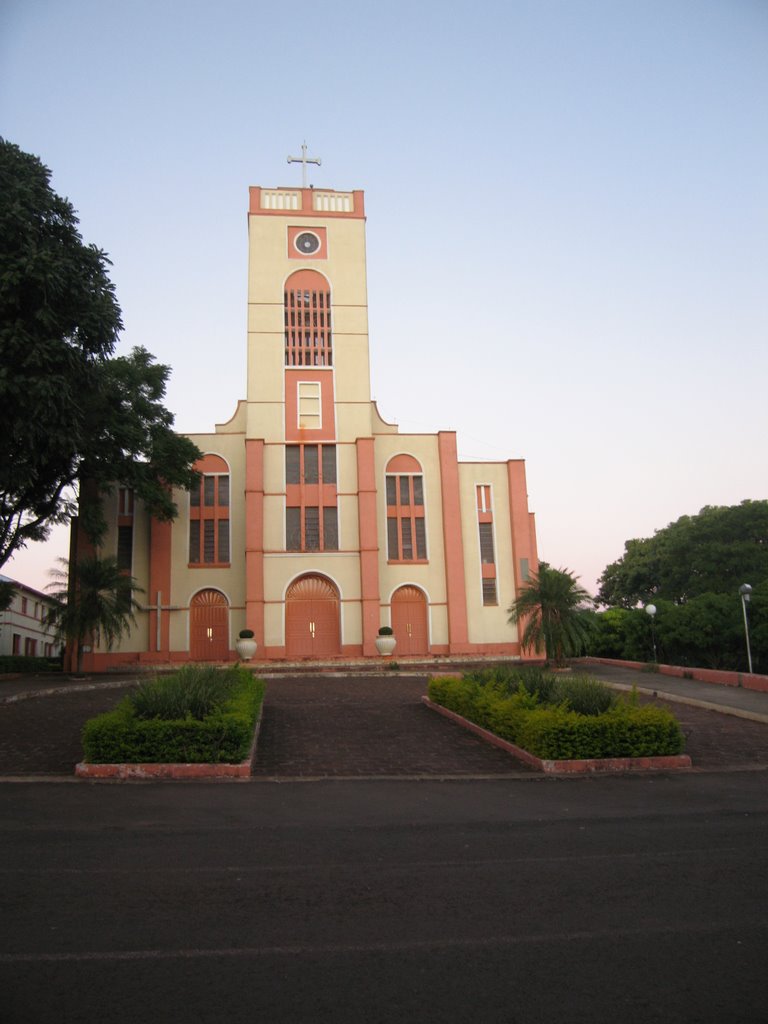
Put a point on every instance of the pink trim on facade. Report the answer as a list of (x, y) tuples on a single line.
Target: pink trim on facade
[(455, 583), (369, 543), (356, 213), (159, 582), (254, 538)]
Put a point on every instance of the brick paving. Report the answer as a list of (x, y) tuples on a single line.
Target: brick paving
[(350, 726), (362, 726)]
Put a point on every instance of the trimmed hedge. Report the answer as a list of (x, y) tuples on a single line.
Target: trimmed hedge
[(557, 733), (28, 664), (223, 737)]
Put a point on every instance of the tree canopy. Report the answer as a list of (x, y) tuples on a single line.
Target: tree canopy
[(67, 409), (713, 552)]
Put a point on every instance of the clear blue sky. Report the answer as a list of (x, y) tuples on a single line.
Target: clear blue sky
[(567, 220)]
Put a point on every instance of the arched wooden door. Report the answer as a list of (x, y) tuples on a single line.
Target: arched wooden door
[(312, 619), (209, 626), (409, 621)]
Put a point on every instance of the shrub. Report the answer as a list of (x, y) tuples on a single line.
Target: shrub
[(27, 664), (194, 691), (223, 736), (557, 730), (386, 631), (245, 634)]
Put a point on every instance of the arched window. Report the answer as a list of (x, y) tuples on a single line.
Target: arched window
[(307, 318), (406, 528), (209, 513)]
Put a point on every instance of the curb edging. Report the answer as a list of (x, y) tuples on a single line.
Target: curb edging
[(178, 770), (593, 766)]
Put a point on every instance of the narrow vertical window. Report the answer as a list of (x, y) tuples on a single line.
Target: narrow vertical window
[(330, 528), (293, 529), (486, 543), (209, 530), (406, 528)]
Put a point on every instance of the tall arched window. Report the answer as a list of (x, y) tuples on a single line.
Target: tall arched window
[(209, 513), (307, 318), (406, 528)]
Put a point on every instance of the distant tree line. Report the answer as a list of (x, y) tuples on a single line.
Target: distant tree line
[(691, 571)]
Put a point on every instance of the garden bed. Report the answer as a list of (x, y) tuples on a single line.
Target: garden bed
[(559, 726), (201, 722)]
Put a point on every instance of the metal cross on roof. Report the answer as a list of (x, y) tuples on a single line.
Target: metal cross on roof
[(304, 160)]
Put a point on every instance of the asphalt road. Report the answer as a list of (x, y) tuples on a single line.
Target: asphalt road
[(529, 900)]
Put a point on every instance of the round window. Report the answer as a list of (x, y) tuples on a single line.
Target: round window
[(307, 242)]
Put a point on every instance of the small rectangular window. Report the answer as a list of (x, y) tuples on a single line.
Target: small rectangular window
[(310, 464), (293, 529), (483, 498), (421, 538), (489, 592), (194, 541), (393, 551), (391, 490), (486, 543), (209, 540), (312, 529), (125, 547), (330, 528), (405, 490), (16, 643), (194, 496), (418, 491), (209, 495), (224, 490), (407, 539), (292, 453), (223, 552), (525, 571), (309, 403), (329, 463)]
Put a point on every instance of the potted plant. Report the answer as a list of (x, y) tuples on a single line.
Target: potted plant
[(245, 645), (385, 641)]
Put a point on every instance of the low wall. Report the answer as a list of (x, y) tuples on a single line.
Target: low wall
[(703, 675)]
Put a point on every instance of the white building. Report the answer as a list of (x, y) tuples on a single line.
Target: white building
[(22, 626)]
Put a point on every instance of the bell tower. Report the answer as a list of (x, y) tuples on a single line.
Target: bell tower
[(308, 363)]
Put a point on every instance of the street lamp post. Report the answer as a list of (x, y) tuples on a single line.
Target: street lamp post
[(745, 590), (650, 609)]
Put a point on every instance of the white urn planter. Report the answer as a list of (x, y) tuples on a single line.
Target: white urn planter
[(385, 645), (245, 647)]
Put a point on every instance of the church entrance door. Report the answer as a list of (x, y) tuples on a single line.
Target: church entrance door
[(409, 621), (312, 619), (209, 626)]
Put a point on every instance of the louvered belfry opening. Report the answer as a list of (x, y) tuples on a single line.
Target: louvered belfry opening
[(307, 318)]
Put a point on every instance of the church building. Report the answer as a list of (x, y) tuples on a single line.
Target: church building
[(316, 521)]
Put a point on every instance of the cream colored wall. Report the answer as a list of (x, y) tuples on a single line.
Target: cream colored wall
[(186, 581), (487, 624), (269, 266), (430, 577)]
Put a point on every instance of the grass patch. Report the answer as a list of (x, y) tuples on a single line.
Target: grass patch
[(559, 719), (186, 718)]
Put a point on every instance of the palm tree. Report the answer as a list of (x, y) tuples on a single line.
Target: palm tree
[(553, 609), (95, 598)]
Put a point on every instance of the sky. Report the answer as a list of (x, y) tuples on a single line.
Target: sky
[(567, 230)]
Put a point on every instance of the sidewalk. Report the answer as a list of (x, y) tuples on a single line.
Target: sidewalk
[(729, 700)]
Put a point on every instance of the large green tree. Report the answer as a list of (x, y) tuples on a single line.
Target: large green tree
[(553, 608), (709, 553), (68, 411)]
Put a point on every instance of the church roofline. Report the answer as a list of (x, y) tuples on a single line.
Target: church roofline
[(309, 202)]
